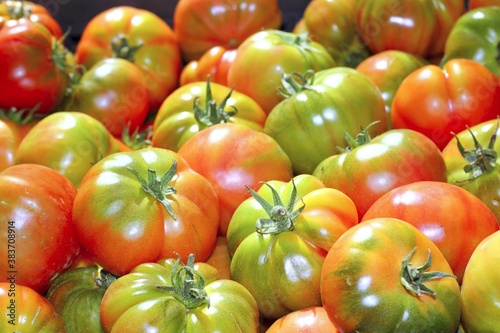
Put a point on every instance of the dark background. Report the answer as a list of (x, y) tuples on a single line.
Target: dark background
[(75, 14)]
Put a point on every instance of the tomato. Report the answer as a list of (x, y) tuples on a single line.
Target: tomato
[(309, 123), (263, 57), (201, 25), (476, 36), (437, 101), (472, 162), (198, 105), (309, 320), (388, 69), (384, 275), (27, 10), (220, 258), (232, 156), (369, 168), (40, 242), (417, 27), (279, 238), (77, 294), (34, 69), (112, 91), (480, 290), (68, 142), (215, 63), (27, 311), (331, 23), (456, 234), (139, 36), (141, 206), (473, 4), (171, 297)]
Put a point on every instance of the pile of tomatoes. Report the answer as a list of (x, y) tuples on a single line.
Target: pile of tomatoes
[(225, 175)]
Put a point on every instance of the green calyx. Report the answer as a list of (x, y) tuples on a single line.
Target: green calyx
[(159, 188), (413, 278), (295, 83), (103, 279), (188, 285), (137, 139), (20, 116), (212, 113), (120, 45), (480, 160), (19, 9), (362, 138)]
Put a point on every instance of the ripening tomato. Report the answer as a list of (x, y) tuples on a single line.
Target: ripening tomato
[(144, 205), (457, 234), (309, 320), (201, 24), (25, 310), (215, 63), (19, 10), (38, 236), (473, 4), (437, 101), (139, 36), (384, 275)]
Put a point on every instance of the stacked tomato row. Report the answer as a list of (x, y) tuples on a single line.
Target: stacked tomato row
[(223, 175)]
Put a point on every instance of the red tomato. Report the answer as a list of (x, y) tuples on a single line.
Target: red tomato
[(231, 156), (437, 101), (40, 242), (214, 62), (201, 24), (310, 320), (473, 4), (454, 219)]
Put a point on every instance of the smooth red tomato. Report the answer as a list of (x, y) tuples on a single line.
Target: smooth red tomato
[(215, 63), (232, 156), (201, 25), (437, 101), (473, 4), (139, 36), (309, 320), (38, 236), (454, 219)]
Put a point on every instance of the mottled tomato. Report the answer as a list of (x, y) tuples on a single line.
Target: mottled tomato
[(25, 310), (201, 25), (144, 205), (309, 320), (21, 10), (139, 36), (215, 63), (457, 234), (68, 142), (369, 168), (437, 101), (480, 289), (384, 275), (263, 57), (170, 297), (232, 156), (38, 237), (279, 237)]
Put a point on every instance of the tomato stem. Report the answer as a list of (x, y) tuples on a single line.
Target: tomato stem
[(103, 279), (295, 82), (19, 9), (362, 138), (413, 278), (122, 49)]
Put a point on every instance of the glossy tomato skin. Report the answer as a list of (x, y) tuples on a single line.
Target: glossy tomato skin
[(388, 69), (112, 91), (201, 25), (361, 287), (137, 300), (309, 320), (232, 156), (288, 279), (121, 224), (480, 308), (28, 10), (158, 54), (176, 121), (417, 27), (30, 74), (476, 36), (9, 142), (437, 101), (392, 159), (36, 206), (485, 185), (27, 311), (455, 235), (309, 125), (331, 23), (264, 56), (68, 142), (215, 63)]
